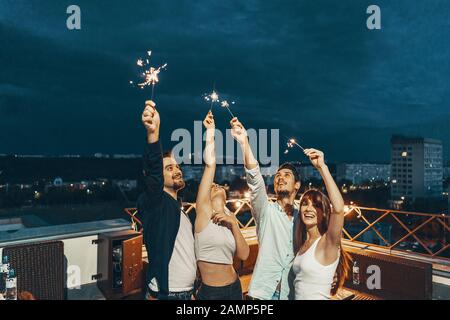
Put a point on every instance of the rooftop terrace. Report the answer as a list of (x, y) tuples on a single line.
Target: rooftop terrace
[(409, 247)]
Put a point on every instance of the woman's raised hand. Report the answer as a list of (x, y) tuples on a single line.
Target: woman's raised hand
[(209, 121), (238, 131)]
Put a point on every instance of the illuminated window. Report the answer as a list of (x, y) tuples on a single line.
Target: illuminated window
[(404, 154)]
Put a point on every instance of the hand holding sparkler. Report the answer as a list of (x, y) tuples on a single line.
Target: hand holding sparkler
[(209, 121), (210, 153), (316, 157), (151, 121), (240, 135), (238, 131)]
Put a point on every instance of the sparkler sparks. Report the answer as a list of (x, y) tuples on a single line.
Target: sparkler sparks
[(150, 74), (225, 104), (291, 144), (213, 97)]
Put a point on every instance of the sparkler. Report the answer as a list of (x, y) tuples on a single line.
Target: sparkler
[(150, 74), (213, 97), (225, 104), (291, 143)]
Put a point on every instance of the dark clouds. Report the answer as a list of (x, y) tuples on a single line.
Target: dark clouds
[(310, 68)]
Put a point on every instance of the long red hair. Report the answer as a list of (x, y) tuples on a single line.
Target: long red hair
[(323, 207)]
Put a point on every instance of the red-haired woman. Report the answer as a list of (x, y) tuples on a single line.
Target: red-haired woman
[(318, 248)]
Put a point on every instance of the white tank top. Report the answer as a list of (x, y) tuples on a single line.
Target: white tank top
[(312, 279), (215, 244), (182, 265)]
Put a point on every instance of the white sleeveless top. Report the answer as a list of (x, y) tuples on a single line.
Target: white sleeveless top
[(312, 279), (215, 244)]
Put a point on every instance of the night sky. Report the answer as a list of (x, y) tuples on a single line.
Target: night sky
[(310, 68)]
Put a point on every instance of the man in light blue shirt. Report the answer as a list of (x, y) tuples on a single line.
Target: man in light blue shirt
[(274, 223)]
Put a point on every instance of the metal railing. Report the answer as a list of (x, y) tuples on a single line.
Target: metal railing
[(421, 233), (430, 232)]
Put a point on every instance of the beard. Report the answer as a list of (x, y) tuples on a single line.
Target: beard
[(283, 193), (178, 184)]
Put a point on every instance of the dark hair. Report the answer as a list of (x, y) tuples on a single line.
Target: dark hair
[(292, 168), (323, 207), (167, 154)]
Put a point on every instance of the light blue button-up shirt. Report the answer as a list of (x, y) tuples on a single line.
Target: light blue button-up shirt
[(274, 230)]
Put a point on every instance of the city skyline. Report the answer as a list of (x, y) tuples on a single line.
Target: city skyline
[(112, 155)]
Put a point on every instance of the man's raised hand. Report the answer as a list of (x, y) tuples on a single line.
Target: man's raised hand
[(238, 131), (151, 121), (316, 157)]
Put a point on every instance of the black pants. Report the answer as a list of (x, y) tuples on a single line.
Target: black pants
[(185, 295), (230, 292)]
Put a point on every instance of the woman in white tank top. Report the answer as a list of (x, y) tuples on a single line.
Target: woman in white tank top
[(318, 238), (218, 237)]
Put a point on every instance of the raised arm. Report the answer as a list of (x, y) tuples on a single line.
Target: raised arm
[(240, 134), (242, 247), (255, 181), (203, 202), (334, 233), (153, 163)]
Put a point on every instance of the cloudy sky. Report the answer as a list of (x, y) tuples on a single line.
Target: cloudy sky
[(309, 68)]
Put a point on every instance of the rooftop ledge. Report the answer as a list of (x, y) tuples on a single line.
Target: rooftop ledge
[(60, 232)]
